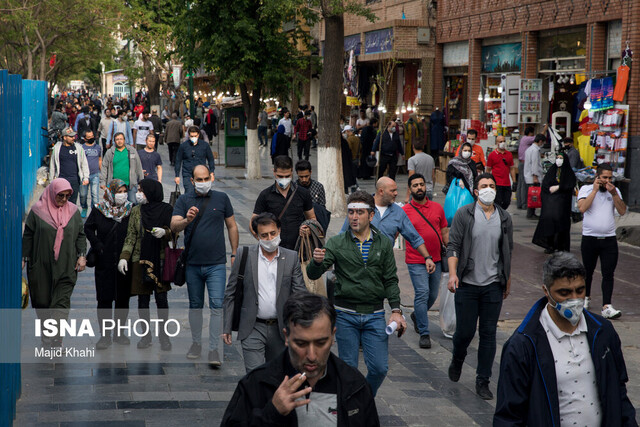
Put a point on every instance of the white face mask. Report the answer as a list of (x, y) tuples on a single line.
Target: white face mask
[(202, 187), (270, 245), (283, 182), (392, 129), (502, 145), (487, 195), (466, 154), (559, 162), (471, 141), (194, 139), (120, 199), (141, 198), (569, 309)]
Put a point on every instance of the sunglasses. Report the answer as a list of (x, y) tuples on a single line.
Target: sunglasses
[(63, 196)]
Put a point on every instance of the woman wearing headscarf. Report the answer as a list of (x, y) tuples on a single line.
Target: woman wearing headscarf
[(148, 235), (106, 229), (280, 144), (53, 249), (463, 168), (554, 226)]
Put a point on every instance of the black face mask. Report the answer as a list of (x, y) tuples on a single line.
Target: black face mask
[(90, 141), (602, 188)]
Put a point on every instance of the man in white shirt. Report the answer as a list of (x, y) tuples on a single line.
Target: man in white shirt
[(277, 273), (599, 203), (286, 122), (533, 168), (563, 365), (141, 128)]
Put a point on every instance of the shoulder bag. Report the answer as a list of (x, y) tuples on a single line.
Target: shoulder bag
[(288, 203), (179, 276), (239, 295), (443, 249)]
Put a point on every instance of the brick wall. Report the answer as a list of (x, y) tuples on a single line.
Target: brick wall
[(385, 10), (438, 95), (475, 68), (596, 46)]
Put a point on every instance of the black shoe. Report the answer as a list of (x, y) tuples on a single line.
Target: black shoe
[(103, 343), (455, 369), (122, 340), (145, 342), (534, 216), (195, 351), (415, 322), (482, 390), (165, 343), (425, 341), (214, 359)]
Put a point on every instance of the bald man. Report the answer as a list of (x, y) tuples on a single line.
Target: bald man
[(391, 220)]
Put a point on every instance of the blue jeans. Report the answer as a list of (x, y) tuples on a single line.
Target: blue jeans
[(477, 305), (368, 330), (262, 134), (426, 287), (131, 194), (214, 277), (94, 183)]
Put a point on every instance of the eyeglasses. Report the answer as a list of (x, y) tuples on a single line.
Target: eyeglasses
[(63, 196)]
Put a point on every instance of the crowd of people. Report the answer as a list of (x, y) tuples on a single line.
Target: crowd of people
[(285, 331)]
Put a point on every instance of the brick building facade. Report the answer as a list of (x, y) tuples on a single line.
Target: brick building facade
[(403, 31), (598, 30)]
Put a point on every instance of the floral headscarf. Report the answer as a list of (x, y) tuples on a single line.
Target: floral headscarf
[(108, 205)]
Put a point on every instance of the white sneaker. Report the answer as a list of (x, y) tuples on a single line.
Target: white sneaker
[(587, 302), (608, 312)]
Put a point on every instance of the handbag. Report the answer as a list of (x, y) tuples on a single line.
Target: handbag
[(171, 256), (180, 272), (456, 198), (534, 199), (305, 256), (444, 261), (239, 294), (173, 198)]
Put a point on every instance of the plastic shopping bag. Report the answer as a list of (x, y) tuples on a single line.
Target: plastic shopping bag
[(447, 308), (456, 197)]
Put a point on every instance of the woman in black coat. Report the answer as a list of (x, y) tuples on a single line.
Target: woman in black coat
[(554, 226), (106, 229)]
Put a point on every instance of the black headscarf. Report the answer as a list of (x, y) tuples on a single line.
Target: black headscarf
[(154, 213)]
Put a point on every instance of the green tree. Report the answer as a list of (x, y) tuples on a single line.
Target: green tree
[(248, 44), (79, 34)]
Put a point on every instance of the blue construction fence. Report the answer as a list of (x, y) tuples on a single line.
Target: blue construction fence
[(23, 112)]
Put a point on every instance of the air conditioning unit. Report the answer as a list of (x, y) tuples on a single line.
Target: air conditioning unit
[(424, 35)]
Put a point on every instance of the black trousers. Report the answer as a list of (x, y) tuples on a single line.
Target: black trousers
[(106, 312), (503, 196), (391, 161), (477, 305), (162, 303), (530, 212), (173, 149), (605, 248), (104, 146), (304, 145)]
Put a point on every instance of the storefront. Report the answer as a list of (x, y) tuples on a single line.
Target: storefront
[(455, 62)]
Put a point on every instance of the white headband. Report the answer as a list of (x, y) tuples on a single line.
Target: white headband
[(358, 206)]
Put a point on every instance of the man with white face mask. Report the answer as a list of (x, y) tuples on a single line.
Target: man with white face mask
[(290, 203), (479, 251), (206, 256), (500, 165), (563, 365), (271, 274), (191, 153)]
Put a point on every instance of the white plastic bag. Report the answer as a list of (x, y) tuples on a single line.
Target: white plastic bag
[(447, 308)]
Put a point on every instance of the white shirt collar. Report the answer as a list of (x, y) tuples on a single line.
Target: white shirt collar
[(261, 254), (547, 321)]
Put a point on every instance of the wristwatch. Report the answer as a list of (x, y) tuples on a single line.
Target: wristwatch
[(397, 310), (428, 257)]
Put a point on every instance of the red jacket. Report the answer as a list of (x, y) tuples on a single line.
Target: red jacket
[(302, 128)]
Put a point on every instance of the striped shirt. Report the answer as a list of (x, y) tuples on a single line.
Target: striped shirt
[(363, 246)]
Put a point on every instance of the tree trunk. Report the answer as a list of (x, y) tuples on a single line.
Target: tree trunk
[(329, 154), (151, 80), (251, 106)]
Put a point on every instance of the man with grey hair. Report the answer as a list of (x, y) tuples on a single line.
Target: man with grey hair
[(306, 385), (563, 365)]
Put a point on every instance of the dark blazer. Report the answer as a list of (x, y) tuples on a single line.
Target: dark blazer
[(93, 127), (289, 281)]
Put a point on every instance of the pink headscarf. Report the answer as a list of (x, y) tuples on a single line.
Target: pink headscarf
[(50, 213)]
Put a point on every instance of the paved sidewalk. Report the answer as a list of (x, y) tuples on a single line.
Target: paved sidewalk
[(416, 392)]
